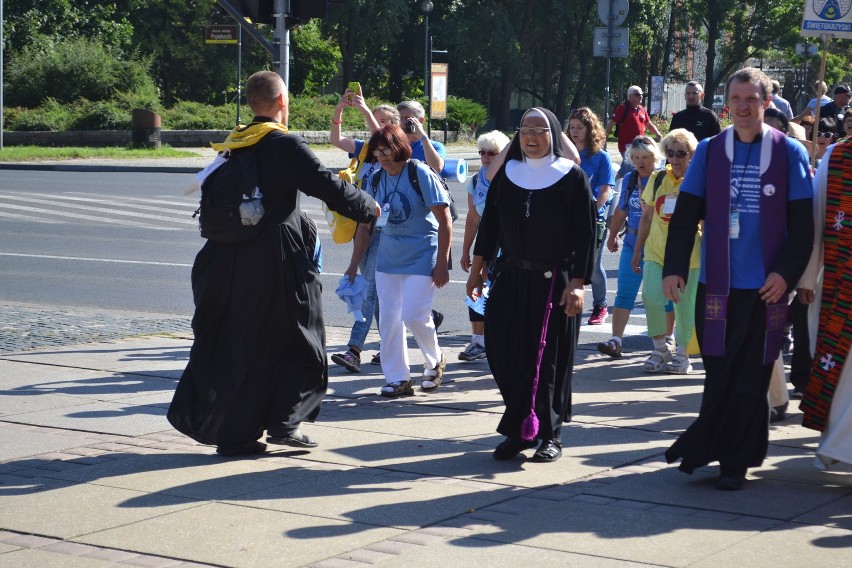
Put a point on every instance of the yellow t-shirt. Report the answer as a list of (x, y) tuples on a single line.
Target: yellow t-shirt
[(664, 204)]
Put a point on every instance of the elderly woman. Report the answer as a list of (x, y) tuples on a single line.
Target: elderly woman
[(364, 249), (541, 212), (587, 134), (658, 199), (490, 145), (645, 155), (412, 260)]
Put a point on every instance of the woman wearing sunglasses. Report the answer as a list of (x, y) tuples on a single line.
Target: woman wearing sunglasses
[(659, 201), (490, 145), (826, 135), (411, 262)]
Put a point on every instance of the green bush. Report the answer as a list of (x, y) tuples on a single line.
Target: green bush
[(100, 115), (50, 116), (73, 69), (306, 113), (463, 115), (188, 115)]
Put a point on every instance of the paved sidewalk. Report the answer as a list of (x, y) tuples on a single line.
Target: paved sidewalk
[(91, 474)]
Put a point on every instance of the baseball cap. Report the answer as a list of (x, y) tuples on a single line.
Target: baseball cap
[(634, 89), (841, 89)]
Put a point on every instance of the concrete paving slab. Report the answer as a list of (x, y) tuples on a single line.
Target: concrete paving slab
[(129, 419), (784, 546), (155, 355), (19, 442), (377, 497), (35, 380), (470, 460), (229, 535), (475, 553), (34, 558), (4, 548), (796, 465), (668, 486), (196, 476), (65, 510), (834, 514), (610, 529), (407, 418)]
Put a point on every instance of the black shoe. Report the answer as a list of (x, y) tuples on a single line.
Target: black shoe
[(377, 359), (730, 482), (438, 318), (548, 451), (730, 479), (296, 439), (797, 393), (510, 447), (246, 449), (778, 413)]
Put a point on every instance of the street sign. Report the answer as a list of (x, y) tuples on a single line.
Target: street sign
[(617, 47), (439, 90), (220, 34), (618, 12), (827, 17)]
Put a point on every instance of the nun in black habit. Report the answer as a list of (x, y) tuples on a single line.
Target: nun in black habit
[(540, 212)]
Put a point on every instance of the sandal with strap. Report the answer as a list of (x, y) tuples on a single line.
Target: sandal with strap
[(549, 451), (397, 389), (657, 361)]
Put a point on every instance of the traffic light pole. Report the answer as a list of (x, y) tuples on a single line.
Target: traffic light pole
[(281, 39)]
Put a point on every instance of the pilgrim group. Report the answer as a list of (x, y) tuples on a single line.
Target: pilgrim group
[(749, 224)]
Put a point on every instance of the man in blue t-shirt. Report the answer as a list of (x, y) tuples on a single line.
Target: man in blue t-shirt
[(752, 187), (412, 117)]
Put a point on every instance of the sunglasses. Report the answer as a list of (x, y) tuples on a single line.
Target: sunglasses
[(488, 153), (825, 134), (382, 152), (641, 140), (534, 130), (676, 153)]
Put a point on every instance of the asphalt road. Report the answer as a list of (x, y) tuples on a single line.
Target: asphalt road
[(126, 241)]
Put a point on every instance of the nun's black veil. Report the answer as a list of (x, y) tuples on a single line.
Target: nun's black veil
[(515, 152)]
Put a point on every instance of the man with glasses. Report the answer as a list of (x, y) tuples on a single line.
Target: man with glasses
[(835, 109), (751, 185), (632, 119), (699, 120)]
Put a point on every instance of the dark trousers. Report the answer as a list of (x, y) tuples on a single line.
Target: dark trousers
[(800, 364)]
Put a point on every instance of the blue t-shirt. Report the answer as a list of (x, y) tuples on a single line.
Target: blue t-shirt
[(417, 150), (409, 242), (480, 192), (369, 167), (633, 208), (747, 270), (598, 169)]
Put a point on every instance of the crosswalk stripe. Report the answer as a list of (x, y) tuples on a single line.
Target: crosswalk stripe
[(33, 218), (136, 215), (81, 216), (122, 203)]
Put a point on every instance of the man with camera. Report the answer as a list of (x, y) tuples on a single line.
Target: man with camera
[(412, 116)]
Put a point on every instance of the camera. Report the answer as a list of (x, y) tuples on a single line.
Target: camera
[(410, 125)]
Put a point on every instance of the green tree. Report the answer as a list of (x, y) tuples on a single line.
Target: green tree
[(314, 59), (77, 68)]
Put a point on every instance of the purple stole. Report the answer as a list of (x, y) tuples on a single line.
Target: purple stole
[(773, 225)]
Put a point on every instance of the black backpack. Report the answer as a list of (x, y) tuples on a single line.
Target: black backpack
[(622, 119), (231, 206), (633, 181), (415, 183)]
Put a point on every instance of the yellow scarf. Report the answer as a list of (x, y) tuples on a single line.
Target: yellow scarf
[(243, 136)]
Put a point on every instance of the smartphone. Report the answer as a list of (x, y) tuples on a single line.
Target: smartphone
[(355, 87)]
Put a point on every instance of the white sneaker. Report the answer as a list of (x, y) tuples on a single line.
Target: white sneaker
[(656, 362), (679, 365)]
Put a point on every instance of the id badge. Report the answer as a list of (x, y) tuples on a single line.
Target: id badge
[(669, 204), (384, 218), (734, 231)]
